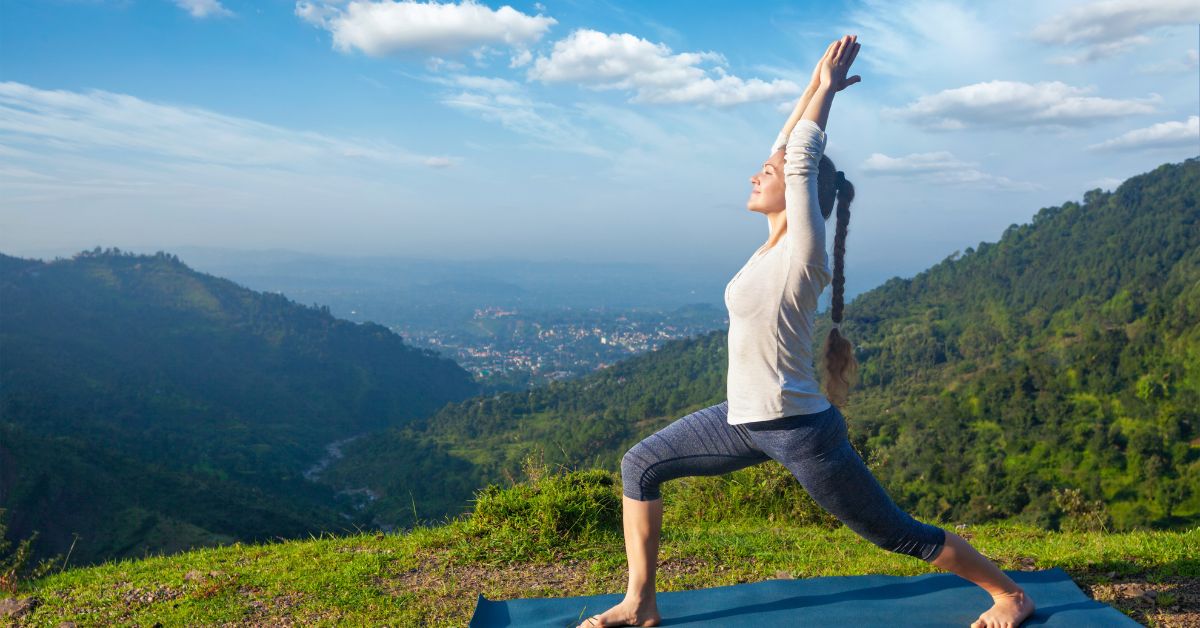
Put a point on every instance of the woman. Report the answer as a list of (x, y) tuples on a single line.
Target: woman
[(775, 409)]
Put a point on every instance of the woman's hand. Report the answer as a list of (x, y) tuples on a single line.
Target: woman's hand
[(832, 68), (828, 78), (832, 74)]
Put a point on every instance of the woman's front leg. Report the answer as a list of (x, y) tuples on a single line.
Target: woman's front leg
[(642, 522), (701, 443)]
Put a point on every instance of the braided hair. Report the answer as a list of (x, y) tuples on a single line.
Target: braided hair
[(840, 366)]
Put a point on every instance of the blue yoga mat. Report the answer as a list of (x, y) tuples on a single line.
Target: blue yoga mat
[(940, 599)]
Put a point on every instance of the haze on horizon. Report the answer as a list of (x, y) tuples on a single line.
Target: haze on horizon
[(590, 130)]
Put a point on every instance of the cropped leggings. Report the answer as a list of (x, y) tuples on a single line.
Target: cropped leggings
[(814, 447)]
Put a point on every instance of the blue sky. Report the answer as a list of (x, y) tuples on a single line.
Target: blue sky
[(592, 131)]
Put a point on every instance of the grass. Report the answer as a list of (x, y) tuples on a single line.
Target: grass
[(559, 535)]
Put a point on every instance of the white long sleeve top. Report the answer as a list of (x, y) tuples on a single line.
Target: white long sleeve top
[(772, 300)]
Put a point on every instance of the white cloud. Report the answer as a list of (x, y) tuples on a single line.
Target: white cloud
[(941, 168), (82, 122), (203, 8), (521, 58), (1102, 51), (436, 64), (1104, 183), (79, 168), (657, 75), (1017, 104), (1187, 63), (878, 163), (900, 37), (1110, 27), (382, 27), (501, 101), (487, 84), (1162, 135)]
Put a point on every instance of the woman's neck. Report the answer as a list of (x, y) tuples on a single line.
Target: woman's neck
[(777, 228)]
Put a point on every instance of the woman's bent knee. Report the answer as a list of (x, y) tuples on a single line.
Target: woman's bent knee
[(636, 480), (921, 541)]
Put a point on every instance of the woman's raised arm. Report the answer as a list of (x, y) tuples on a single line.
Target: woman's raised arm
[(806, 97), (804, 140), (831, 71)]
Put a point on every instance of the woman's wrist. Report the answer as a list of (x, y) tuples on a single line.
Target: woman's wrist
[(802, 102), (818, 106)]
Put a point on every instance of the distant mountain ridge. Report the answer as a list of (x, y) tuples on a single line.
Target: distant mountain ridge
[(184, 385)]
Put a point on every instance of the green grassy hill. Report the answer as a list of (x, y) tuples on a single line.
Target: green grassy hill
[(147, 407), (1060, 364), (558, 535)]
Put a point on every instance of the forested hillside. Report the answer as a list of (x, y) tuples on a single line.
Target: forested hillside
[(581, 423), (1067, 355), (146, 407), (1051, 376)]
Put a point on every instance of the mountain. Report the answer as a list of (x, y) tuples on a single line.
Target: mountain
[(1055, 370), (583, 423), (144, 405)]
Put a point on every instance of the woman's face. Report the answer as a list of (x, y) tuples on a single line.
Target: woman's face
[(766, 192)]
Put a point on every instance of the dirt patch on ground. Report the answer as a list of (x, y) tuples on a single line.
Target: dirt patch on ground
[(522, 579), (144, 596), (1172, 603), (433, 571), (12, 608), (269, 610)]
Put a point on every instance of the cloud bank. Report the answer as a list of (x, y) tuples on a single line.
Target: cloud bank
[(1017, 104), (655, 73), (383, 27), (1162, 135), (99, 120), (941, 168), (1111, 27), (201, 9)]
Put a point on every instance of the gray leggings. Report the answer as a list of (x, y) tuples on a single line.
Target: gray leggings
[(814, 447)]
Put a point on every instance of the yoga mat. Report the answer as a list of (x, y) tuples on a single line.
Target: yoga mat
[(940, 599)]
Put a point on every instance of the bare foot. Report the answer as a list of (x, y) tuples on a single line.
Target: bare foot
[(627, 613), (1009, 611)]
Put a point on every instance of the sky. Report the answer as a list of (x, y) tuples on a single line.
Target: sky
[(568, 130)]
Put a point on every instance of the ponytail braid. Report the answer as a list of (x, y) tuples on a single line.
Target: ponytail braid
[(840, 368)]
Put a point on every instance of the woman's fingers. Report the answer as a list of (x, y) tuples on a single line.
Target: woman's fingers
[(847, 42), (840, 55)]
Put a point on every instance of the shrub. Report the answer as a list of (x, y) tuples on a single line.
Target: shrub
[(549, 515), (763, 491), (14, 562), (1080, 515)]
